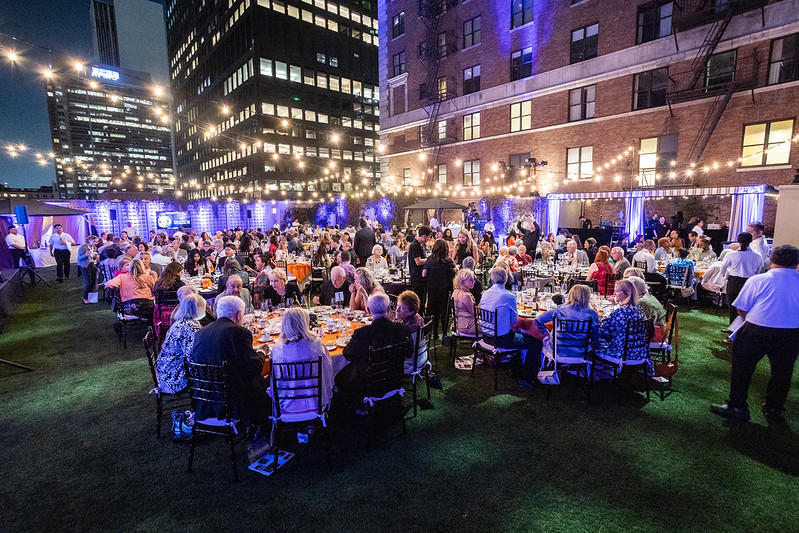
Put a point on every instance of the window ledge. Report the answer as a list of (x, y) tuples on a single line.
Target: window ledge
[(471, 47), (764, 167), (526, 24), (581, 2)]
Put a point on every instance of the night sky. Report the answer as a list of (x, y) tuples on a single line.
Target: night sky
[(61, 25)]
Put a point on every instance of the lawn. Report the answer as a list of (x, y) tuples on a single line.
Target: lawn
[(80, 453)]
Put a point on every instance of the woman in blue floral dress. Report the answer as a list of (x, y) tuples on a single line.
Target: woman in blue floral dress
[(613, 328), (177, 347)]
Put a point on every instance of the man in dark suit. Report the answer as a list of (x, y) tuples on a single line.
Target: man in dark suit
[(380, 333), (226, 340), (363, 243)]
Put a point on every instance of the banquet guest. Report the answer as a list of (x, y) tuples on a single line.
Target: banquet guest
[(664, 251), (698, 227), (345, 258), (166, 287), (769, 305), (590, 248), (489, 226), (228, 252), (60, 246), (178, 343), (87, 261), (146, 258), (574, 256), (522, 257), (463, 301), (646, 255), (280, 289), (282, 253), (195, 265), (161, 257), (739, 266), (612, 329), (576, 307), (398, 251), (363, 243), (693, 239), (650, 305), (465, 247), (676, 241), (502, 302), (376, 261), (320, 259), (620, 263), (364, 286), (336, 290), (232, 267), (477, 290), (438, 271), (703, 253), (206, 249), (234, 287), (674, 270), (226, 341), (511, 240), (380, 333), (633, 272), (417, 255), (531, 232), (759, 243), (546, 252), (298, 344), (136, 290), (602, 271), (408, 315), (143, 247)]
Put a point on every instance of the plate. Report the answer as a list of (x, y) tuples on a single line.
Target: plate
[(206, 290), (320, 308), (331, 345), (343, 341)]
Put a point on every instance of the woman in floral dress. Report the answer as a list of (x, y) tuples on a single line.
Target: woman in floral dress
[(177, 347), (613, 328)]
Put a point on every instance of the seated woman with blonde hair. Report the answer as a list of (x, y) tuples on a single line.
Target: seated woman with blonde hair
[(365, 285), (612, 330), (298, 344), (464, 301)]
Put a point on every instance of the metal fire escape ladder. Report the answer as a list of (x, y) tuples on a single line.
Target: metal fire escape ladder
[(712, 40), (431, 54), (709, 124)]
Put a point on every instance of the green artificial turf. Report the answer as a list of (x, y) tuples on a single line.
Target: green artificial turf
[(80, 453)]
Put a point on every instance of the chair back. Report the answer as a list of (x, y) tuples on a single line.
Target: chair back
[(151, 350), (641, 264), (485, 323), (297, 390), (421, 343), (593, 284), (116, 297), (282, 264), (671, 325), (677, 272), (610, 284), (208, 385), (570, 338), (385, 368), (637, 335)]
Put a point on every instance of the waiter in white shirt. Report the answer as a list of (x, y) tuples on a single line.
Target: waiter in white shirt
[(759, 244), (489, 226), (60, 248), (16, 245), (769, 304), (739, 266)]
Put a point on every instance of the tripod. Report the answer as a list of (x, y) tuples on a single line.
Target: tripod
[(30, 269)]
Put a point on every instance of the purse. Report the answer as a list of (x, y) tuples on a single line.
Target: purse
[(687, 292), (182, 425), (549, 377)]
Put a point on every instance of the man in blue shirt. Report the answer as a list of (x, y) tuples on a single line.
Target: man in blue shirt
[(769, 305)]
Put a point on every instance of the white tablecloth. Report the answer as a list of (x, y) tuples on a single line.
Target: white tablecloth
[(42, 257)]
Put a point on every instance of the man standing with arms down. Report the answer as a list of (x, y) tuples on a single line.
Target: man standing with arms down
[(363, 243), (417, 256), (759, 245), (769, 304), (60, 248)]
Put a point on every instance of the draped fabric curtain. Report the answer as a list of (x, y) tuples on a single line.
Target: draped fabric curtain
[(634, 216), (553, 216), (746, 208)]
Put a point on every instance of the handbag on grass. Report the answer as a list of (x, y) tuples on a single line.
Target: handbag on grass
[(182, 425), (549, 377)]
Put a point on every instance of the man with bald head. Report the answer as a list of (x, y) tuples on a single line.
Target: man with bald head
[(336, 290)]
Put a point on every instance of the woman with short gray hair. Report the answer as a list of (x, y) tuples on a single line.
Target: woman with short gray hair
[(178, 344)]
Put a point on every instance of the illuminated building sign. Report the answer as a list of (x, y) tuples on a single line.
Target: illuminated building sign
[(105, 74)]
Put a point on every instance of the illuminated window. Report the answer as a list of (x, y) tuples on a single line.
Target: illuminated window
[(521, 64), (581, 103), (471, 172), (521, 116), (772, 136), (580, 162)]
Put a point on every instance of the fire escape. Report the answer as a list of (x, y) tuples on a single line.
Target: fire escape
[(436, 46), (706, 78)]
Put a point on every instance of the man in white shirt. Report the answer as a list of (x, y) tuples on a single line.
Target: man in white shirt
[(16, 245), (433, 223), (646, 256), (759, 243), (489, 226), (769, 306), (60, 247), (738, 266), (179, 233)]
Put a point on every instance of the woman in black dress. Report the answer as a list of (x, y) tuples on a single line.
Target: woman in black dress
[(439, 271)]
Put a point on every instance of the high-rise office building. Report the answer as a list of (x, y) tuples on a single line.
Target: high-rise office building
[(273, 98), (109, 119)]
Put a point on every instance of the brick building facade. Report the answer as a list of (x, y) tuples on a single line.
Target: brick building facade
[(647, 88)]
